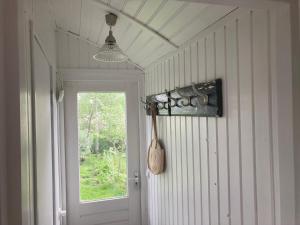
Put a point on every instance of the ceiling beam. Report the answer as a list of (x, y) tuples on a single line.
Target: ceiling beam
[(135, 21)]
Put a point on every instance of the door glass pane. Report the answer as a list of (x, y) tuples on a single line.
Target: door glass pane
[(102, 145)]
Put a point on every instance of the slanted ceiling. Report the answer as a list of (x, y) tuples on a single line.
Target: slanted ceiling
[(177, 21)]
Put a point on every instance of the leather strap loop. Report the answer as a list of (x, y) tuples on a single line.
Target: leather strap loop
[(154, 126)]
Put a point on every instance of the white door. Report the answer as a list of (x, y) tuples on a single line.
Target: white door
[(102, 153)]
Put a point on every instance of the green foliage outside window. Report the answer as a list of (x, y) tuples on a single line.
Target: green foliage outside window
[(103, 169)]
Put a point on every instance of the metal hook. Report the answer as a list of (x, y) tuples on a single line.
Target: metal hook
[(175, 100), (188, 98), (160, 105), (142, 101), (203, 97), (146, 107)]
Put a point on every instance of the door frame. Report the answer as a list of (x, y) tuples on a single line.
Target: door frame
[(32, 166), (111, 75), (36, 40)]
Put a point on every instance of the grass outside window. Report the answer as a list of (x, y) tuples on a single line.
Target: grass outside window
[(102, 146)]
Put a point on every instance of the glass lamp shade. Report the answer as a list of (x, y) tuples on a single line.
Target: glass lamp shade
[(110, 52)]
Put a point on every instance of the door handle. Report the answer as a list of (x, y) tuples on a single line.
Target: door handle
[(135, 179), (61, 213)]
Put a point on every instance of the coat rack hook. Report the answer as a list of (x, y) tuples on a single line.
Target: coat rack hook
[(146, 104), (188, 98), (160, 104), (203, 97), (142, 101), (175, 102)]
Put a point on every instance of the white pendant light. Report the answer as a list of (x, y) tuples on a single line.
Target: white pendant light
[(110, 51)]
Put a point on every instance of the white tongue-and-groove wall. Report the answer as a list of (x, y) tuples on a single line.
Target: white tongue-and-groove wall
[(220, 170)]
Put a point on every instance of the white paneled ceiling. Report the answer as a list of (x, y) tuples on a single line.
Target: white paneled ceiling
[(177, 21)]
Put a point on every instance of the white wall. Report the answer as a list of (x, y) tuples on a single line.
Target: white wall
[(75, 53), (226, 170)]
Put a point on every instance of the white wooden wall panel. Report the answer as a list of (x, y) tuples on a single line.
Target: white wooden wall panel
[(263, 129), (75, 53), (246, 119), (219, 170)]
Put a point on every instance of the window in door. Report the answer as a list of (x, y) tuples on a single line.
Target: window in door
[(102, 145)]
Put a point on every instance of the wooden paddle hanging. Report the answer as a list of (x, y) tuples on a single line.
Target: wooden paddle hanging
[(156, 154)]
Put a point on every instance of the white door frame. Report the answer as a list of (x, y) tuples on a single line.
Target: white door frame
[(85, 75), (51, 132), (34, 38)]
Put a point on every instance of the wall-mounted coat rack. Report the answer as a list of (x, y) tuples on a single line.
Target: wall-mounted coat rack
[(203, 99)]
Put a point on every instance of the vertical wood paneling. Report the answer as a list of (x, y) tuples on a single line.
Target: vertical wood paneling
[(197, 213), (189, 146), (233, 123), (246, 119), (183, 152), (262, 118), (63, 50), (158, 178), (204, 169), (75, 53), (174, 63), (93, 63), (162, 135), (171, 147), (224, 199), (148, 139), (84, 55), (178, 132), (219, 170), (74, 50), (212, 138), (168, 174)]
